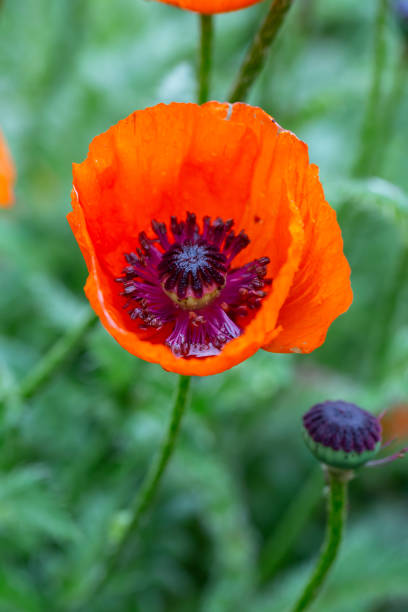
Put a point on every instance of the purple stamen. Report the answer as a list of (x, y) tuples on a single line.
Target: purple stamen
[(187, 284)]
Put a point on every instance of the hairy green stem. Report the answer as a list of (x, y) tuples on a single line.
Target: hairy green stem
[(204, 70), (151, 482), (392, 106), (383, 332), (148, 489), (365, 162), (334, 533), (387, 323), (257, 53), (307, 15), (56, 355), (290, 525)]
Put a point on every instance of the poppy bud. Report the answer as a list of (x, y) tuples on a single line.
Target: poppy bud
[(401, 13), (341, 434)]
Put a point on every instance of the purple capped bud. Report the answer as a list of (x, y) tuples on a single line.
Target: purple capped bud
[(341, 434)]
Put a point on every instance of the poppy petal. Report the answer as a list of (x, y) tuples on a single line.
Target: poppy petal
[(208, 7), (321, 288), (7, 174)]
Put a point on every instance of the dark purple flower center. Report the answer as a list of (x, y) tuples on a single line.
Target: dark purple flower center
[(187, 285), (342, 426), (193, 274)]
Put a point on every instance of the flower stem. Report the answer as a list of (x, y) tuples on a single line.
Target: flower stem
[(257, 53), (290, 525), (334, 533), (146, 493), (364, 165), (150, 485), (45, 368), (206, 40)]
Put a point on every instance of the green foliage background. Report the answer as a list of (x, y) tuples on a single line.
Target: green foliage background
[(72, 457)]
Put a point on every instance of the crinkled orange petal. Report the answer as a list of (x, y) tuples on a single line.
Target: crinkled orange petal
[(208, 7), (218, 160), (7, 174), (321, 288)]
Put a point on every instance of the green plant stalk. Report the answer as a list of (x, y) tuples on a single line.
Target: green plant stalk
[(146, 493), (392, 105), (151, 482), (385, 327), (257, 53), (50, 363), (307, 15), (387, 323), (290, 526), (337, 482), (205, 63), (371, 121)]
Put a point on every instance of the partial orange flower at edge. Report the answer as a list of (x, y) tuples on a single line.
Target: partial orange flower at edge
[(208, 7), (7, 174), (215, 159), (395, 422)]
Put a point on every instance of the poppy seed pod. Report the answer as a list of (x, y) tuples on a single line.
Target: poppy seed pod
[(341, 434)]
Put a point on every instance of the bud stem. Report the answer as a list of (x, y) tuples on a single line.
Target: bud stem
[(257, 53), (206, 40), (337, 481)]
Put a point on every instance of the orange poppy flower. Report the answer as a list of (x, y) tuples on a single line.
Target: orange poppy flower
[(395, 422), (209, 7), (7, 174), (207, 236)]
